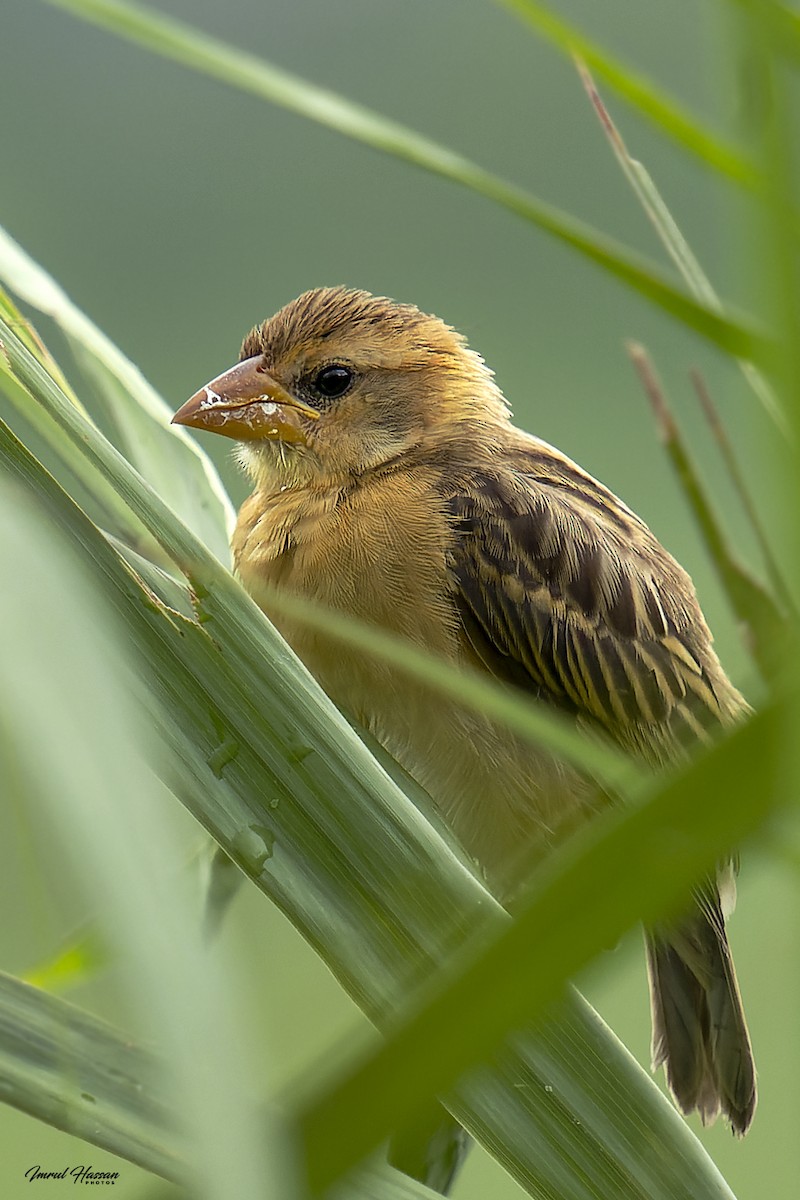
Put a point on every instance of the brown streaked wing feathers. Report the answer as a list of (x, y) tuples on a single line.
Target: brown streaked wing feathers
[(562, 590), (575, 600)]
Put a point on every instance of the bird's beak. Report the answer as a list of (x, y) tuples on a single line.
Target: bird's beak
[(247, 404)]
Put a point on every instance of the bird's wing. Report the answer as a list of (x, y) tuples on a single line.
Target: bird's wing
[(564, 591)]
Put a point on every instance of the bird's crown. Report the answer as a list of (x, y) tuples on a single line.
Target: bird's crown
[(373, 331)]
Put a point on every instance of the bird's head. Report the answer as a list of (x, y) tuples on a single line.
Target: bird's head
[(339, 382)]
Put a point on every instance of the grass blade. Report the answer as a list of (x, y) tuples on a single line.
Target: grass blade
[(661, 110), (765, 628), (675, 243), (47, 1045), (777, 23), (66, 687), (244, 71), (532, 721), (737, 477), (114, 1098), (176, 465), (106, 506)]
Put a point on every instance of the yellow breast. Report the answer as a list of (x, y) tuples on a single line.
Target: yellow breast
[(379, 553)]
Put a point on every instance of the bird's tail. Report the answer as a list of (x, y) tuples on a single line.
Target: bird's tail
[(699, 1028)]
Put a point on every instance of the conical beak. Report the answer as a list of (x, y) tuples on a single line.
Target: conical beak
[(246, 403)]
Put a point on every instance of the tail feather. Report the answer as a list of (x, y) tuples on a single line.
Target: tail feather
[(699, 1028)]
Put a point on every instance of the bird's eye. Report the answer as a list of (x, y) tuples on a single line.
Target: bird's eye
[(333, 381)]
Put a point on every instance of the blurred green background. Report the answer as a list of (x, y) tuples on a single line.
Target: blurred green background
[(178, 213)]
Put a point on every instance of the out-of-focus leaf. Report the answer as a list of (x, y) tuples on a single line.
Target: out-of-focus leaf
[(167, 456), (778, 26), (69, 1069), (664, 112), (73, 964), (248, 73), (74, 747)]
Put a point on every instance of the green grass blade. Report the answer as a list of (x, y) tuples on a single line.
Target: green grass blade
[(743, 488), (778, 24), (764, 627), (248, 73), (67, 1068), (176, 465), (74, 750), (253, 744), (644, 859), (432, 1146), (382, 1183), (770, 30), (316, 825), (27, 334), (593, 1133), (674, 242), (534, 722), (106, 505), (48, 1046), (661, 110)]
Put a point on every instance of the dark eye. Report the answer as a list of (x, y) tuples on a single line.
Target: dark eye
[(333, 381)]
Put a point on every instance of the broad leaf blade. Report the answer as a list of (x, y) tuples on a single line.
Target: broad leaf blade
[(118, 1102), (116, 1098)]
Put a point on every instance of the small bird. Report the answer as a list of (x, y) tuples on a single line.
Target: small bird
[(390, 483)]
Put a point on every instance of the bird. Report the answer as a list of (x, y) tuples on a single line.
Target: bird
[(390, 483)]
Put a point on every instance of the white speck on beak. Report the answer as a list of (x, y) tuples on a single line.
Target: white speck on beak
[(212, 397)]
